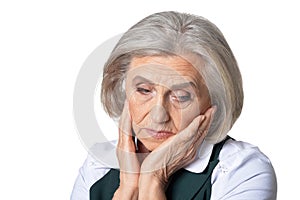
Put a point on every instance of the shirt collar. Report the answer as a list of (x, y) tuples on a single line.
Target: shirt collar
[(202, 158)]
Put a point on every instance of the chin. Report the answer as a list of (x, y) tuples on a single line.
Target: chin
[(151, 145)]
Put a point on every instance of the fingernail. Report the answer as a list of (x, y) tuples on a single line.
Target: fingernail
[(202, 117), (214, 109)]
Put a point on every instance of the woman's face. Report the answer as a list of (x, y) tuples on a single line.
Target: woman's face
[(164, 94)]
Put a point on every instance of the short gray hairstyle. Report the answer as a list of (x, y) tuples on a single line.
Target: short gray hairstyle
[(174, 33)]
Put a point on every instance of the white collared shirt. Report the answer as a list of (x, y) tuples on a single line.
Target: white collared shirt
[(243, 172)]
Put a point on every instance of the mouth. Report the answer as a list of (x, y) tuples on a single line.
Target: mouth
[(159, 135)]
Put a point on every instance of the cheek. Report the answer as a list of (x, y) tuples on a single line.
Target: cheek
[(182, 118), (138, 113)]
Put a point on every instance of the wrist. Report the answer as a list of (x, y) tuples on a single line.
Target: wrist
[(150, 187), (126, 193)]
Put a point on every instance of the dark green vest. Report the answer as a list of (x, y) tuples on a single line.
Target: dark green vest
[(182, 184)]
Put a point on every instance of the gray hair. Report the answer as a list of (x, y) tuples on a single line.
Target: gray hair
[(173, 33)]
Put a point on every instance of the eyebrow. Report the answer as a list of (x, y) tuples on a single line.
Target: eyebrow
[(183, 85), (142, 80)]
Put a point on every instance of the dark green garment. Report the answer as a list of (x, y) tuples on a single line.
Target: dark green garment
[(182, 185)]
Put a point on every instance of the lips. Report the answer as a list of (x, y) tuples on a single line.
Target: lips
[(159, 134)]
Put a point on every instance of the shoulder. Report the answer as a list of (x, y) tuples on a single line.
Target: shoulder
[(101, 158), (241, 152), (243, 172), (93, 170), (99, 161)]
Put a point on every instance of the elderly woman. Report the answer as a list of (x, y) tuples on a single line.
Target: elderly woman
[(175, 86)]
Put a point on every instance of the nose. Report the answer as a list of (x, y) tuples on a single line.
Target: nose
[(158, 113)]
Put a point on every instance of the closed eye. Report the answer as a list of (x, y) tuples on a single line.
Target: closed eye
[(143, 91), (181, 96)]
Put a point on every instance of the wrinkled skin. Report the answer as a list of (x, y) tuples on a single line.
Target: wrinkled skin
[(146, 167)]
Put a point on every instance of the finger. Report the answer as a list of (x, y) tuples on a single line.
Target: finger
[(192, 128), (126, 142), (175, 151), (204, 126), (126, 147)]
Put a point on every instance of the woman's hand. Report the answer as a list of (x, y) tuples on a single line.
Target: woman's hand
[(151, 178), (175, 153), (128, 161)]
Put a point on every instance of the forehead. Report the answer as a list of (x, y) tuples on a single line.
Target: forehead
[(163, 69)]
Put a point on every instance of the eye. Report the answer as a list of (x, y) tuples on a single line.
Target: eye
[(181, 96), (143, 91)]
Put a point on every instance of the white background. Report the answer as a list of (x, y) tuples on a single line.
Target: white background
[(43, 45)]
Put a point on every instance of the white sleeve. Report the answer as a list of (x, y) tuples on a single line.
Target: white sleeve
[(80, 190), (90, 172), (243, 173)]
